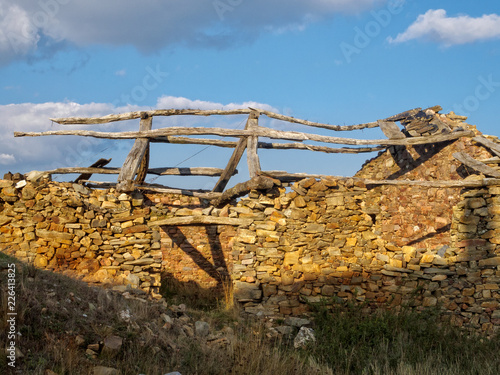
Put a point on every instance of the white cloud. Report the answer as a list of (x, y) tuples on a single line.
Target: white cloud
[(18, 36), (436, 26), (155, 24), (121, 72), (177, 102), (22, 154), (6, 159)]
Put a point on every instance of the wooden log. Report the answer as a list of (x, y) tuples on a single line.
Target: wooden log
[(201, 220), (243, 188), (328, 150), (435, 183), (281, 175), (98, 164), (285, 176), (493, 160), (86, 171), (391, 130), (260, 132), (316, 124), (199, 171), (252, 143), (167, 190), (99, 184), (476, 164), (267, 145), (404, 115), (494, 147), (135, 157), (197, 112), (137, 114), (142, 172), (194, 141), (166, 171), (233, 162)]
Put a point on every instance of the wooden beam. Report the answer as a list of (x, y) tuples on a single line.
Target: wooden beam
[(166, 171), (493, 160), (204, 194), (201, 220), (435, 183), (138, 114), (98, 164), (243, 188), (197, 112), (135, 157), (494, 147), (285, 176), (142, 172), (194, 141), (85, 171), (199, 171), (404, 115), (391, 130), (252, 143), (281, 175), (267, 145), (328, 150), (260, 132), (469, 161), (317, 124), (233, 162)]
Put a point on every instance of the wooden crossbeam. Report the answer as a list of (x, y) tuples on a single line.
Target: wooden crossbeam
[(469, 161), (391, 130), (285, 176), (266, 145), (98, 164), (260, 132), (494, 147), (201, 220), (198, 171)]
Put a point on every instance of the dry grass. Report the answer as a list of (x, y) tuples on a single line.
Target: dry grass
[(55, 312)]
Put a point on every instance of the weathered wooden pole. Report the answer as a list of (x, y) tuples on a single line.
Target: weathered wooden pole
[(235, 158), (135, 157), (252, 145)]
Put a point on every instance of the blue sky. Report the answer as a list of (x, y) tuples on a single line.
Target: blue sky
[(331, 61)]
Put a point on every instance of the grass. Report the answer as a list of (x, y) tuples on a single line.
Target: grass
[(350, 341), (59, 317)]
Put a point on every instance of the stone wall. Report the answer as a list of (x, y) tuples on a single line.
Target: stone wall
[(106, 237), (385, 245), (328, 238)]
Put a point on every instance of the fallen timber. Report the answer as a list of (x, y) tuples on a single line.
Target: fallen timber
[(470, 162), (98, 164)]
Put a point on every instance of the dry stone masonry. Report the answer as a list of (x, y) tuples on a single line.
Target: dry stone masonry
[(317, 240)]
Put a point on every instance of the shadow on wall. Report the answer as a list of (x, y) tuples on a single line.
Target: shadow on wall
[(211, 260), (190, 292), (406, 162), (443, 229)]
